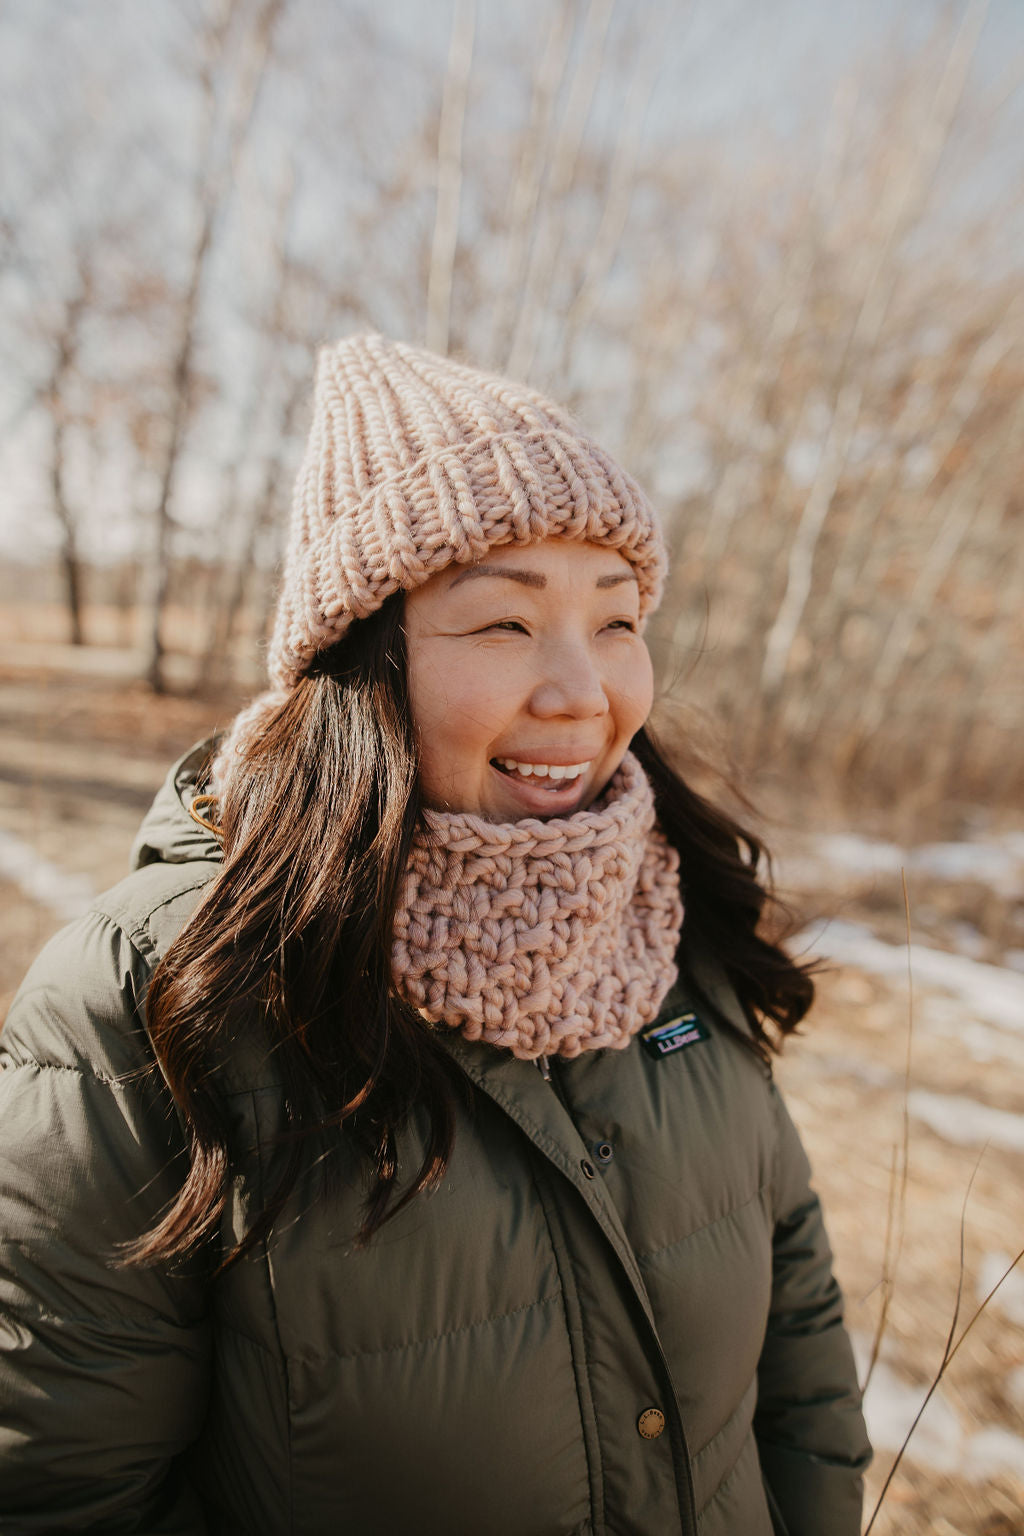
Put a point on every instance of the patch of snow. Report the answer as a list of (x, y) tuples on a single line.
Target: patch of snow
[(67, 895), (859, 855), (1009, 1299), (954, 1117), (940, 1440), (890, 1404), (997, 862), (991, 1451), (966, 1122), (861, 1069), (945, 1016), (990, 993), (967, 939)]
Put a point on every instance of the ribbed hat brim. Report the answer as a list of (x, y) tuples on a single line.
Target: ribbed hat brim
[(451, 507)]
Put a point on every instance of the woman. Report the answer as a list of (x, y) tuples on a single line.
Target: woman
[(389, 1152)]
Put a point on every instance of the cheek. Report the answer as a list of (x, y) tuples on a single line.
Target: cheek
[(635, 691), (455, 715), (427, 695)]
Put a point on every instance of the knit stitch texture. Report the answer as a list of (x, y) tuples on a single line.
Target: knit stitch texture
[(415, 462), (543, 937)]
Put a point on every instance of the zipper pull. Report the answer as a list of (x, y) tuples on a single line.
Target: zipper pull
[(545, 1068)]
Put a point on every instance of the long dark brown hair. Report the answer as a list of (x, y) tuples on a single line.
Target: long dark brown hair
[(290, 947)]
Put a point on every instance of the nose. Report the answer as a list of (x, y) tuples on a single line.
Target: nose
[(571, 685)]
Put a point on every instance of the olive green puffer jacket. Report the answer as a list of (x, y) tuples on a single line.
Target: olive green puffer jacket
[(616, 1316)]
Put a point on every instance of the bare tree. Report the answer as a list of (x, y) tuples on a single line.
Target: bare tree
[(217, 166), (906, 200), (55, 398)]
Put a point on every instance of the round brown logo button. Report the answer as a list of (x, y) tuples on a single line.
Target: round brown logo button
[(651, 1423)]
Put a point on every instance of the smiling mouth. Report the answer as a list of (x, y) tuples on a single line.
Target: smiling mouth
[(550, 776)]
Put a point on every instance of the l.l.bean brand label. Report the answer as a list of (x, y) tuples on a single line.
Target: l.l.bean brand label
[(662, 1039)]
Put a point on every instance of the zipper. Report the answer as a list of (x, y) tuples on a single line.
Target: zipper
[(551, 1073)]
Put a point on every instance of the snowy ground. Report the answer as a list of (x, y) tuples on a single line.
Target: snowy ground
[(955, 995)]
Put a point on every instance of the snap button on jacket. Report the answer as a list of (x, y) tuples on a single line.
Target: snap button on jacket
[(651, 1423), (533, 1350)]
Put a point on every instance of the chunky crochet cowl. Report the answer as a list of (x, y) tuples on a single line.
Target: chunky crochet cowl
[(543, 937)]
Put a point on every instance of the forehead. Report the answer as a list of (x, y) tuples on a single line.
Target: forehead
[(544, 563)]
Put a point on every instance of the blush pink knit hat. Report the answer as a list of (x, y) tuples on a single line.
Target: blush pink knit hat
[(415, 461)]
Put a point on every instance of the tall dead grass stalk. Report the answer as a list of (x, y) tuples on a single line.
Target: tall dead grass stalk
[(899, 1176), (952, 1348)]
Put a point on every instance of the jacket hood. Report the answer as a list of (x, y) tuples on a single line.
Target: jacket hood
[(168, 834)]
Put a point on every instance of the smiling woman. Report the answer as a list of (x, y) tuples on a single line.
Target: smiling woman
[(396, 1147)]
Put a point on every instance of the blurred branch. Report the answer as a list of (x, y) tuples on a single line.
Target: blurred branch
[(621, 186), (520, 220), (449, 175), (907, 201), (959, 505), (780, 310)]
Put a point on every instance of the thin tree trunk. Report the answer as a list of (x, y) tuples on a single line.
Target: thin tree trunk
[(69, 558), (856, 569), (618, 200), (964, 506), (526, 191), (239, 522), (449, 176), (67, 348), (216, 176), (181, 377), (215, 665)]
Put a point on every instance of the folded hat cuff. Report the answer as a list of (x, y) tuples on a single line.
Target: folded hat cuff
[(452, 507)]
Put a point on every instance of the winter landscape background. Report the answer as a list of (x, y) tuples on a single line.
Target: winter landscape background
[(772, 256)]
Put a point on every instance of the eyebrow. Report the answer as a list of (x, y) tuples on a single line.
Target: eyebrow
[(534, 578)]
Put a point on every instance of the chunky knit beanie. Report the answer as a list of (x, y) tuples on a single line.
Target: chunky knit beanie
[(415, 462)]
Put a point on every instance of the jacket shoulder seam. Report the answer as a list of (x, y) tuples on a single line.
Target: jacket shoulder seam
[(135, 925)]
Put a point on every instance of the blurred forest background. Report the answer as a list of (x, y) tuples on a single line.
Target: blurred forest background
[(773, 256), (795, 312)]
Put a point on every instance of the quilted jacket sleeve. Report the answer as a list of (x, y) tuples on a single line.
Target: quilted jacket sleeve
[(810, 1431), (103, 1368)]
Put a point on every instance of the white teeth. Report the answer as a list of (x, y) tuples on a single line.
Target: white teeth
[(544, 770)]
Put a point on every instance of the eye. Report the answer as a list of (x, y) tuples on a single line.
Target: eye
[(509, 626), (628, 626)]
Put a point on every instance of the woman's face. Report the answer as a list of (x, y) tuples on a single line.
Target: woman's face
[(528, 677)]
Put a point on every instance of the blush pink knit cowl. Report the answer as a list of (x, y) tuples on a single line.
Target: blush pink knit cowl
[(543, 937)]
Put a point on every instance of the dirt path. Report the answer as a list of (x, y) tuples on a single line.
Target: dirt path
[(83, 751)]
